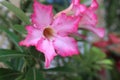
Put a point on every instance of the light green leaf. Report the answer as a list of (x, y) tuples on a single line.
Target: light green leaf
[(106, 61), (20, 29), (98, 53), (18, 12)]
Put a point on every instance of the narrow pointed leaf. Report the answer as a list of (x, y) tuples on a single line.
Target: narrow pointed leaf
[(8, 74), (20, 29), (34, 74), (18, 12), (10, 53), (60, 69), (13, 37)]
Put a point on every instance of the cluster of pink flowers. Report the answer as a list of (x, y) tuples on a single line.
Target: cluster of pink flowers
[(49, 33), (104, 44), (109, 46)]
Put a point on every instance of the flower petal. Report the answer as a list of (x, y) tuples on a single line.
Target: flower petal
[(73, 9), (75, 2), (42, 14), (66, 46), (101, 44), (114, 39), (99, 31), (79, 9), (32, 37), (64, 25), (94, 5), (89, 17), (89, 21), (47, 48)]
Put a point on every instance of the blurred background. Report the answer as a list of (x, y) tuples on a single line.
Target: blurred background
[(99, 58)]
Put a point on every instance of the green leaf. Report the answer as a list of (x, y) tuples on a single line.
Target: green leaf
[(10, 53), (13, 37), (97, 67), (16, 63), (20, 29), (20, 78), (34, 74), (106, 61), (75, 78), (8, 74), (98, 53), (60, 69), (18, 12)]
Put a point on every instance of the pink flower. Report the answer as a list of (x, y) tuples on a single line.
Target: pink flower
[(88, 18), (49, 35), (114, 38), (103, 46)]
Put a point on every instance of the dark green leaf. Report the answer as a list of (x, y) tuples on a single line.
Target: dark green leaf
[(8, 74), (34, 74), (10, 53), (16, 63), (75, 78), (60, 69)]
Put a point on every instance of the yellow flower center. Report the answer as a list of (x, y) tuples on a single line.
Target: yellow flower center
[(48, 32)]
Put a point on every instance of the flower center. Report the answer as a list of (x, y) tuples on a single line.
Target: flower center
[(70, 13), (48, 32)]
